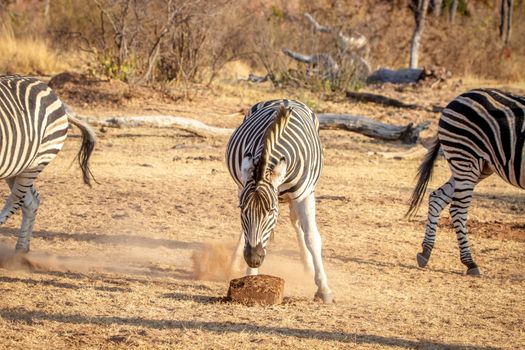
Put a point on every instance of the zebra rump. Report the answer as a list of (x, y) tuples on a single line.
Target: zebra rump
[(487, 123), (33, 128)]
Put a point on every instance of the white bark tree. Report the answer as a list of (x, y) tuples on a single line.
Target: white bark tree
[(419, 14), (505, 20), (452, 10)]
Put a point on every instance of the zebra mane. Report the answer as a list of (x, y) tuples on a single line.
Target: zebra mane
[(272, 133)]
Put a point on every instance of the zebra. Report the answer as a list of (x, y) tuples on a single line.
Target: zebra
[(481, 132), (275, 154), (33, 128)]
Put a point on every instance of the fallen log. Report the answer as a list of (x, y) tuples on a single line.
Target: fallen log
[(160, 121), (355, 123), (401, 76), (372, 128), (431, 76), (380, 99)]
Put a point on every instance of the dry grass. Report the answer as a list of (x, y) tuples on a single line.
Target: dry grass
[(27, 55), (115, 265)]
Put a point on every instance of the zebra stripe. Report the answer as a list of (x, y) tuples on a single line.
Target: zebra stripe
[(33, 128), (298, 143), (276, 154), (481, 132)]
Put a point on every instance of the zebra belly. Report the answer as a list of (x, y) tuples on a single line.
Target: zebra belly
[(31, 150)]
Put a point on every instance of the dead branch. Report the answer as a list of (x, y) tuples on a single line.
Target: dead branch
[(371, 128), (318, 27), (323, 61), (160, 121)]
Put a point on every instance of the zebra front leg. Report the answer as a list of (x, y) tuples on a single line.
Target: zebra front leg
[(29, 210), (305, 210), (459, 212), (437, 201), (306, 257)]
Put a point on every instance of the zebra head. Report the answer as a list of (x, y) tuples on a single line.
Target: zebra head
[(259, 206)]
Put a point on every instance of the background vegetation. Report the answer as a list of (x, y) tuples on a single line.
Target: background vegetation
[(186, 41)]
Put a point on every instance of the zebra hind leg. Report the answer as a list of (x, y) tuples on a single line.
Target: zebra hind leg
[(459, 212), (305, 210), (29, 210), (437, 201), (23, 195), (12, 203)]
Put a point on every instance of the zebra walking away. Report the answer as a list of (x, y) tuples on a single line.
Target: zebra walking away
[(275, 154), (481, 132), (33, 128)]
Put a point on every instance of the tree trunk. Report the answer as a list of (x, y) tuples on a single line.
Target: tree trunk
[(436, 7), (452, 10), (420, 13), (505, 20), (46, 11)]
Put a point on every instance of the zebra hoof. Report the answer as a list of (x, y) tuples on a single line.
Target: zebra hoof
[(327, 298), (474, 271), (421, 260)]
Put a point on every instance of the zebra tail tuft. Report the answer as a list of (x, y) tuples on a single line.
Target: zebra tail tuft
[(86, 149), (424, 174)]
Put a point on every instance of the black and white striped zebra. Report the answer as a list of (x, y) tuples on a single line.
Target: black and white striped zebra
[(481, 132), (275, 154), (33, 128)]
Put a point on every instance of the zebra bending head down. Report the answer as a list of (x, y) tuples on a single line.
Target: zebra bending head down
[(33, 128), (481, 132), (275, 154)]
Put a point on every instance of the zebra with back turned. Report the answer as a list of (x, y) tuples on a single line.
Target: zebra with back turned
[(481, 132), (275, 154), (33, 128)]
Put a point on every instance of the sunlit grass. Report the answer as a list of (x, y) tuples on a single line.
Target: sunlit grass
[(27, 55)]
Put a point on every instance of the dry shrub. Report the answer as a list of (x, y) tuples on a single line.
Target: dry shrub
[(26, 55)]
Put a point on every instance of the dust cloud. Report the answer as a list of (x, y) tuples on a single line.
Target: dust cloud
[(210, 261), (34, 261), (213, 262), (127, 260)]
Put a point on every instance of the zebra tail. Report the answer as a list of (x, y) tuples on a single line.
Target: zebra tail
[(424, 173), (88, 144)]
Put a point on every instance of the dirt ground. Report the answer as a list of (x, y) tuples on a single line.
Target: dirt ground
[(111, 266)]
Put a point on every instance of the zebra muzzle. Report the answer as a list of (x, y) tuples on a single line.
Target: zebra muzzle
[(254, 256)]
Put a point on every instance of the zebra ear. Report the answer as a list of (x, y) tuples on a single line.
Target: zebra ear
[(278, 172), (247, 167)]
